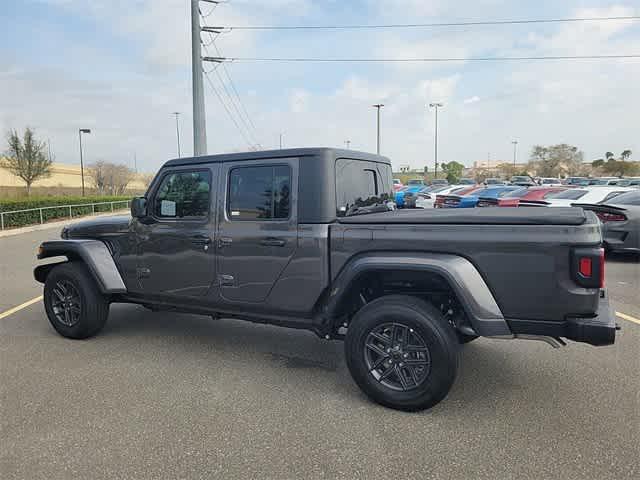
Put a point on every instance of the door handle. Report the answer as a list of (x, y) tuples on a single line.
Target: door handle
[(222, 241), (200, 240), (273, 242)]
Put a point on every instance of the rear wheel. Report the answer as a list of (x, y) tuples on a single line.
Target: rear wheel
[(74, 304), (402, 352)]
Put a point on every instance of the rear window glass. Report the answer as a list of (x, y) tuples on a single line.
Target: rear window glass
[(612, 195), (521, 192), (573, 194), (361, 183), (629, 198)]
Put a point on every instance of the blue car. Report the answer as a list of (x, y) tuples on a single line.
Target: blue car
[(471, 201), (400, 193)]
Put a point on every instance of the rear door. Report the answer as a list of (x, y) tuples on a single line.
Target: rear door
[(175, 254), (257, 226)]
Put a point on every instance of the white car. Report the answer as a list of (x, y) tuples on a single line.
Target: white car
[(427, 199), (550, 182), (591, 194)]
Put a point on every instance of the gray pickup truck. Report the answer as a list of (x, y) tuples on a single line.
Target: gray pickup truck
[(309, 239)]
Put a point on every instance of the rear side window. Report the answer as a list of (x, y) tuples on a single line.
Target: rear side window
[(183, 195), (259, 193), (361, 183)]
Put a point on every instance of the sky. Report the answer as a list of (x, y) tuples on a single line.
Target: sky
[(121, 67)]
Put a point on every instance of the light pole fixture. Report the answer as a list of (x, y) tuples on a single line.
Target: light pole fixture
[(80, 132), (515, 147), (177, 114), (378, 106), (436, 105)]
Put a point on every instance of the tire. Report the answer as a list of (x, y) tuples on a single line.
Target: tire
[(434, 367), (86, 307)]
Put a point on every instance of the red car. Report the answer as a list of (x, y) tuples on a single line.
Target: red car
[(440, 199), (531, 194)]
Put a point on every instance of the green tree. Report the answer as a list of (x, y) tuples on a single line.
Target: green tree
[(555, 160), (608, 155), (625, 155), (453, 171), (26, 158)]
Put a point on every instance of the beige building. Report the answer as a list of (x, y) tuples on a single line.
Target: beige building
[(64, 179)]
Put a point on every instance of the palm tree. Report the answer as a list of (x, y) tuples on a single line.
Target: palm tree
[(608, 155)]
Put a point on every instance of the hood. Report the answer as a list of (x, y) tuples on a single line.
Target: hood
[(97, 227)]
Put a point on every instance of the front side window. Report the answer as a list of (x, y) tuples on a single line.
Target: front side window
[(259, 193), (183, 195)]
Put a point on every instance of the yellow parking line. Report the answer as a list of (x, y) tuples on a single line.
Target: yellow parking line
[(628, 317), (13, 310)]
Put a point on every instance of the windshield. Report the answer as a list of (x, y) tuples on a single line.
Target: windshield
[(573, 194), (362, 187)]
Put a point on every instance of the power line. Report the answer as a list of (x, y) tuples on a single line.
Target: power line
[(432, 25), (215, 90), (233, 86), (246, 122), (418, 60)]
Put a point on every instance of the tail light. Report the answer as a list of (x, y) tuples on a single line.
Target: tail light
[(587, 267), (487, 202), (439, 201), (448, 201), (611, 217)]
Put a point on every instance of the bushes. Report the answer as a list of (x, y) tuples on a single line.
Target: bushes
[(29, 218)]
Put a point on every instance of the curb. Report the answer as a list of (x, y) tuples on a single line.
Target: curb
[(58, 224)]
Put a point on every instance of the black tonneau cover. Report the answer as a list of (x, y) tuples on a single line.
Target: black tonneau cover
[(475, 216)]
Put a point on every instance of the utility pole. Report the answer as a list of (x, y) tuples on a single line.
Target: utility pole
[(49, 147), (281, 142), (199, 122), (378, 106), (436, 106), (177, 114), (135, 162), (80, 132), (348, 144), (515, 146)]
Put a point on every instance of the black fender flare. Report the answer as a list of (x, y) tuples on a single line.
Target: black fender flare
[(472, 291), (93, 253)]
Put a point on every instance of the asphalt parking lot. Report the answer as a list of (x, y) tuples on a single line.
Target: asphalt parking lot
[(164, 395)]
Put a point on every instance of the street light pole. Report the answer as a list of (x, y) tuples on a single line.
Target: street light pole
[(178, 133), (436, 106), (281, 140), (80, 132), (348, 144), (378, 106), (515, 146)]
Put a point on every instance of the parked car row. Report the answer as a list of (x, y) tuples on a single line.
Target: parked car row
[(617, 207)]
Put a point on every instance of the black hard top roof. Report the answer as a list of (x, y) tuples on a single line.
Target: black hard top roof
[(289, 152)]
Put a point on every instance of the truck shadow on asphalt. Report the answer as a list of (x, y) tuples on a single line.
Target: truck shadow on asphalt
[(489, 373)]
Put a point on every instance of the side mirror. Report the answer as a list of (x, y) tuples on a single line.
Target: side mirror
[(139, 207)]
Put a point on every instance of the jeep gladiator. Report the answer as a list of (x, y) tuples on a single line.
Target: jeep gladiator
[(309, 238)]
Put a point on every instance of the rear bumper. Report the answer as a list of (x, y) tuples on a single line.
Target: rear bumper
[(598, 330)]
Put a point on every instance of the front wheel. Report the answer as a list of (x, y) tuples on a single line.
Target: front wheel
[(402, 352), (74, 304)]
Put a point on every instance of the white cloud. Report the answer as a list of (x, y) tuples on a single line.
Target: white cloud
[(470, 100)]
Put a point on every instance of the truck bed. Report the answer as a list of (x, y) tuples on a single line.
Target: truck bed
[(476, 216)]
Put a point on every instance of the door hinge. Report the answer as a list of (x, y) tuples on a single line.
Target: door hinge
[(226, 280)]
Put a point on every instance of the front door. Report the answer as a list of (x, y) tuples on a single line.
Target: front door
[(257, 225), (176, 257)]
